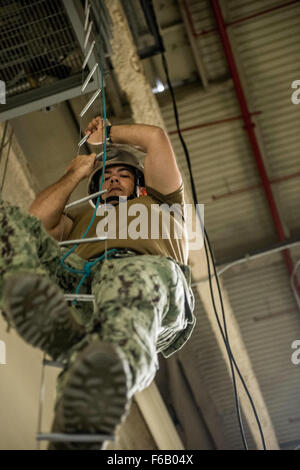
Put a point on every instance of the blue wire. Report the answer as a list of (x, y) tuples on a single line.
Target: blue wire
[(87, 270), (89, 264)]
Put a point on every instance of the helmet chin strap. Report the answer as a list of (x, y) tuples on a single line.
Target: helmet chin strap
[(117, 198)]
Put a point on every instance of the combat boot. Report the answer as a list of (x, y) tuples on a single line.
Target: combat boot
[(36, 307), (94, 396)]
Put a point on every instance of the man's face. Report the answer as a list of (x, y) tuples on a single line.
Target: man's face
[(119, 181)]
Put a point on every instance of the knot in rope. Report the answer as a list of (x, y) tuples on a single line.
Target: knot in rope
[(87, 269)]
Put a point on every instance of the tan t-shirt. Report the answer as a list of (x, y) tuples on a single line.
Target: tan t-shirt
[(152, 224)]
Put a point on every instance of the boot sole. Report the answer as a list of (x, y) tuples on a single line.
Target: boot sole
[(95, 398), (39, 313)]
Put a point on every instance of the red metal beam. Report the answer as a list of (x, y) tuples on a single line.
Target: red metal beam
[(249, 127), (211, 123), (255, 15), (255, 186), (196, 34)]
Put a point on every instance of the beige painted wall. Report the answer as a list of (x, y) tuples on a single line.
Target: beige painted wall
[(20, 376)]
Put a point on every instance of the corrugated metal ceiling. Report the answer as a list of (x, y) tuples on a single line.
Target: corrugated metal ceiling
[(269, 51), (222, 163), (236, 212)]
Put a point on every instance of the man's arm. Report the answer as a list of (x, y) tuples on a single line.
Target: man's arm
[(161, 170), (50, 203)]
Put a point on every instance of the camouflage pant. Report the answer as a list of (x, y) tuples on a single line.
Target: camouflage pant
[(139, 300)]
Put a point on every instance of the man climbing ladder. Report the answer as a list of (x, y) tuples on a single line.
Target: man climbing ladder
[(141, 285)]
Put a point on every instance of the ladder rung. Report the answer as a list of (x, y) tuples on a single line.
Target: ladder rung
[(86, 6), (59, 437), (88, 78), (88, 55), (47, 362), (81, 241), (83, 140), (89, 104), (83, 297), (86, 198), (87, 15), (88, 35)]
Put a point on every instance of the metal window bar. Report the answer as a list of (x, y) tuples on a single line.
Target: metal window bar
[(19, 10), (9, 31), (25, 59), (51, 35), (32, 48)]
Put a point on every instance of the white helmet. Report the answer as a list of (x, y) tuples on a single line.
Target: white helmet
[(117, 156)]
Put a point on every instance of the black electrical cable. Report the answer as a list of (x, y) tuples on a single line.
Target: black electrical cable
[(165, 66), (224, 336), (229, 350)]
